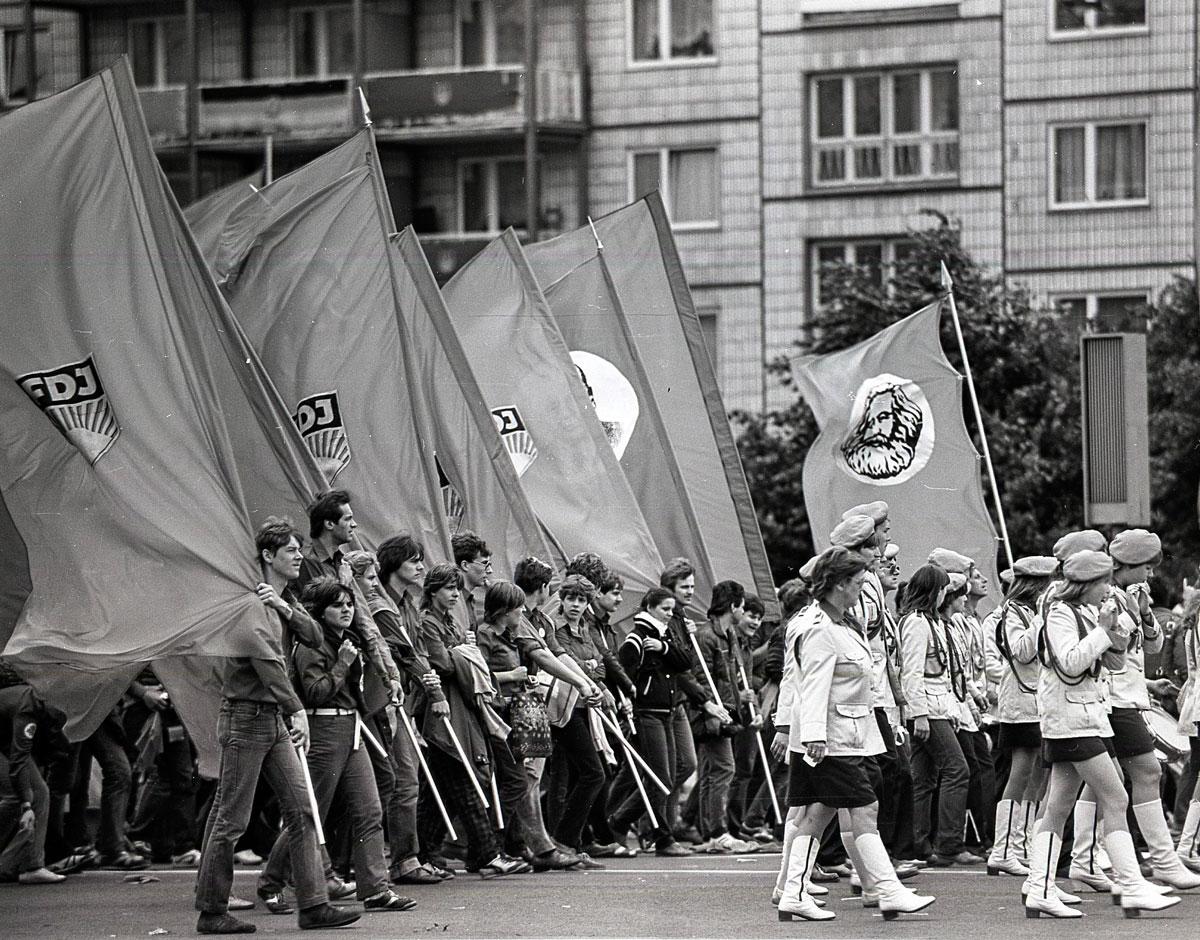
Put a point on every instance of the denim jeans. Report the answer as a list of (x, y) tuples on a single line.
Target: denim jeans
[(107, 746), (341, 774), (713, 776), (683, 760), (655, 742), (255, 742), (585, 776), (938, 764), (981, 793), (522, 828), (401, 809), (22, 851)]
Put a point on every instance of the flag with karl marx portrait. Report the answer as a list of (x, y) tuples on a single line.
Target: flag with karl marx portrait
[(891, 425)]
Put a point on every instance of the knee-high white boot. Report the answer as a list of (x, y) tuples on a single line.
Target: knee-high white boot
[(1003, 858), (1041, 894), (1027, 811), (1085, 863), (1167, 867), (795, 901), (790, 828), (859, 882), (879, 876), (1188, 849), (1137, 894)]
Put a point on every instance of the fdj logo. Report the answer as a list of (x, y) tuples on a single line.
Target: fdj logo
[(517, 440), (507, 419), (319, 418), (73, 397)]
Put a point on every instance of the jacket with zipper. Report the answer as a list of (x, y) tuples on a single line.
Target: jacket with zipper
[(652, 673)]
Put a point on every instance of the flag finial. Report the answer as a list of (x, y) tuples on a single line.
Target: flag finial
[(595, 234), (947, 281), (366, 110)]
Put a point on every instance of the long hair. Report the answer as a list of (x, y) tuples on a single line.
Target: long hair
[(1071, 592), (322, 593), (440, 576), (502, 597), (922, 589), (1026, 589)]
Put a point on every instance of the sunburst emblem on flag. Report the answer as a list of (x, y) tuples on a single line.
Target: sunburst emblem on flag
[(73, 397), (517, 439), (319, 418), (452, 502), (890, 434), (613, 396)]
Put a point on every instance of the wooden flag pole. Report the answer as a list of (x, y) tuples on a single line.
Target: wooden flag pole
[(637, 758), (437, 796), (312, 795), (948, 285), (762, 748), (467, 766)]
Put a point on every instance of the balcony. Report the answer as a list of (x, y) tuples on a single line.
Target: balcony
[(436, 105)]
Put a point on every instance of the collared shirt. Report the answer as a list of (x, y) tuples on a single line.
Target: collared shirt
[(607, 643), (579, 645), (325, 682), (544, 628), (407, 647), (440, 632), (505, 650), (245, 678)]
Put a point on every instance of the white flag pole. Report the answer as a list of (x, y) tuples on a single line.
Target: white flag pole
[(948, 286)]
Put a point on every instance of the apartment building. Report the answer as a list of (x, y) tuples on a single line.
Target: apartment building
[(783, 134)]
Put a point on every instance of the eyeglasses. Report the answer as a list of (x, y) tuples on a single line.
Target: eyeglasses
[(485, 564)]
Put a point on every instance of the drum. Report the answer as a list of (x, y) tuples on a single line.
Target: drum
[(1171, 744)]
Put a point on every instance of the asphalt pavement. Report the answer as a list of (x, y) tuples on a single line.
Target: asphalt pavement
[(721, 896)]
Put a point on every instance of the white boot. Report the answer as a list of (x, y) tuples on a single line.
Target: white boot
[(1041, 897), (1085, 864), (795, 901), (789, 836), (1027, 813), (879, 876), (1003, 858), (1189, 839), (1136, 894), (1167, 867), (859, 882)]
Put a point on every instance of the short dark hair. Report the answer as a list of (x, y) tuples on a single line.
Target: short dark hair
[(274, 534), (590, 565), (321, 593), (532, 574), (468, 546), (677, 569), (655, 596), (441, 575), (832, 567), (501, 597), (726, 595), (920, 593), (327, 507), (576, 585), (611, 582), (754, 605), (394, 552), (793, 595)]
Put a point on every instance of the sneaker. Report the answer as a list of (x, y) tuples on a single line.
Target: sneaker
[(238, 904), (504, 865), (123, 861), (389, 900), (416, 876), (602, 849), (340, 890), (40, 876), (673, 849), (718, 845), (822, 876), (222, 923), (247, 857), (587, 863), (553, 860), (188, 859), (326, 916), (688, 834), (71, 864), (275, 901), (742, 847)]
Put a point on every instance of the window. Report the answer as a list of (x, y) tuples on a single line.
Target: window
[(491, 32), (158, 50), (671, 30), (1098, 164), (872, 129), (1106, 313), (13, 74), (877, 257), (687, 180), (1091, 16), (322, 42), (491, 195)]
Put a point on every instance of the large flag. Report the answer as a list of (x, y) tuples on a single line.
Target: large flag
[(674, 379), (141, 441), (207, 217), (891, 425), (545, 418)]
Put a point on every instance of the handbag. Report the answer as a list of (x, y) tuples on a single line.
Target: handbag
[(530, 735)]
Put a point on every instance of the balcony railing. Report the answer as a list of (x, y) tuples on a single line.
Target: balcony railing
[(878, 161), (425, 102)]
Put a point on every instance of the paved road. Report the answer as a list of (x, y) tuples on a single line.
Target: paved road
[(643, 897)]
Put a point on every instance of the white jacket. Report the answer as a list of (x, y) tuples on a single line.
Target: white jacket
[(925, 669), (1071, 698), (832, 700), (1128, 684), (790, 680), (1018, 626)]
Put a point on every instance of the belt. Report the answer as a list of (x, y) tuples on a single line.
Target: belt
[(330, 712)]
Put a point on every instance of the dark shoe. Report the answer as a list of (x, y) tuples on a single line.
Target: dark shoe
[(416, 876), (71, 864), (967, 858), (822, 876), (603, 849), (222, 923), (389, 900), (673, 849), (587, 863), (275, 901), (688, 834), (123, 861), (444, 874), (939, 861), (504, 865), (326, 916), (553, 860), (340, 890)]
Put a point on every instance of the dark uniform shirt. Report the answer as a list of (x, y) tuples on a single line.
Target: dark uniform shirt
[(249, 679), (579, 645), (324, 680), (505, 650), (20, 714)]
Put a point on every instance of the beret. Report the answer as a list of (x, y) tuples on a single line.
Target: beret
[(877, 511), (1135, 547), (806, 570), (852, 531), (958, 581), (950, 561), (1087, 565), (1085, 540), (891, 551), (1006, 576), (1035, 566)]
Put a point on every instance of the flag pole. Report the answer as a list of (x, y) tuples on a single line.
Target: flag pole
[(948, 286)]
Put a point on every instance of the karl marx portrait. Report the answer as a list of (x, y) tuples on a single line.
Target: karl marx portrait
[(884, 442)]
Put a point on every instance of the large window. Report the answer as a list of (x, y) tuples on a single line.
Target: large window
[(688, 182), (158, 50), (877, 257), (1097, 16), (875, 128), (322, 42), (1106, 313), (13, 69), (491, 32), (491, 195), (1098, 164), (671, 30)]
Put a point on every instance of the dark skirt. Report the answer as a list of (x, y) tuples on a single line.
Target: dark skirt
[(1021, 734), (841, 782), (1075, 750), (1131, 734)]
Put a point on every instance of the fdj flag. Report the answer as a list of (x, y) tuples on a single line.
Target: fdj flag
[(891, 420)]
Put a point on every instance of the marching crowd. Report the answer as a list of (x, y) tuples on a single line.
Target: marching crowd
[(406, 721)]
